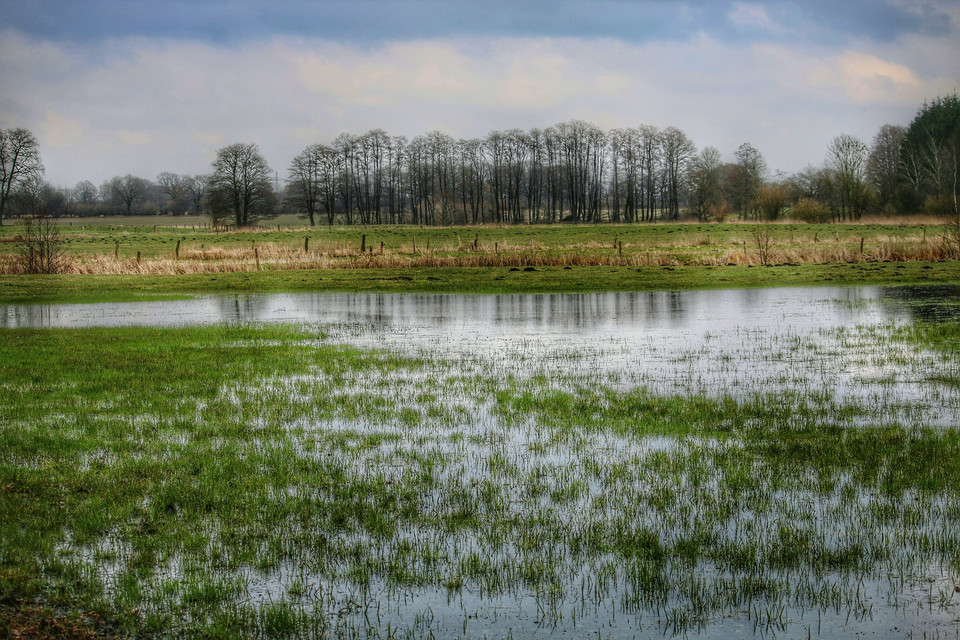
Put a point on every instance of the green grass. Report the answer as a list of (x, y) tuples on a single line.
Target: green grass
[(685, 256), (158, 236), (262, 481), (100, 288)]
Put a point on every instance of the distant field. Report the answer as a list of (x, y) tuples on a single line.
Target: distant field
[(178, 256), (104, 246)]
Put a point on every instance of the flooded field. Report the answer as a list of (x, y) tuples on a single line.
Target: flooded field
[(780, 462)]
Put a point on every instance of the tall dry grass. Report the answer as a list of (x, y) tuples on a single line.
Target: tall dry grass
[(703, 251)]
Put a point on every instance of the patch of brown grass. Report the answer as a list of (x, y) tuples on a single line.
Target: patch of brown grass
[(30, 622), (739, 251)]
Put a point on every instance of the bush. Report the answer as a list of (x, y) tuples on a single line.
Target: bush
[(721, 212), (937, 206), (810, 211), (39, 247), (771, 200)]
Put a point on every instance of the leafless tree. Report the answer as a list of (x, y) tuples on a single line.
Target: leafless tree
[(677, 152), (746, 178), (197, 190), (128, 190), (703, 181), (847, 157), (39, 245), (85, 193), (240, 190), (304, 179), (177, 189), (883, 163), (19, 163)]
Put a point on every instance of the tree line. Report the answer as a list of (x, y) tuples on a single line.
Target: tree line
[(570, 172)]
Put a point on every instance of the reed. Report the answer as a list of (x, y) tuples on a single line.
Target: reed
[(275, 256)]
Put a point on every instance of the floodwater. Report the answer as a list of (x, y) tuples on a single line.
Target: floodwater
[(736, 342), (840, 342), (508, 315)]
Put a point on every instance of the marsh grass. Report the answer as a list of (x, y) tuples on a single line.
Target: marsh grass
[(169, 250), (269, 481)]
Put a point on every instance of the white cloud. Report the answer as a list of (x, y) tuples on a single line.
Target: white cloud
[(867, 78)]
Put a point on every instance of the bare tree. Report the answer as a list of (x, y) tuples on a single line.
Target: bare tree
[(677, 151), (128, 190), (883, 163), (19, 163), (650, 147), (197, 190), (240, 190), (847, 156), (304, 180), (40, 246), (704, 182), (177, 189), (747, 177), (85, 193)]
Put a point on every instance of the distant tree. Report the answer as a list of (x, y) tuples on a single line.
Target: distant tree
[(176, 187), (82, 199), (746, 177), (649, 150), (240, 190), (197, 190), (85, 193), (39, 246), (771, 200), (704, 188), (678, 149), (128, 190), (303, 182), (931, 152), (19, 163), (847, 157), (883, 163), (312, 181)]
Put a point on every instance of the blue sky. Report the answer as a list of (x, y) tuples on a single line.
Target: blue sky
[(113, 87)]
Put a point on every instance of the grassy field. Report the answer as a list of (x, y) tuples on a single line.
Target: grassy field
[(275, 482), (265, 481), (109, 261)]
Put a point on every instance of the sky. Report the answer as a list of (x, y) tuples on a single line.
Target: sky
[(111, 87)]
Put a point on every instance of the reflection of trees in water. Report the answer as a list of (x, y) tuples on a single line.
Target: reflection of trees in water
[(552, 312), (242, 308), (26, 315), (927, 303)]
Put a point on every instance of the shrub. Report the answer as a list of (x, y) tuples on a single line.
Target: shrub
[(39, 247), (810, 211)]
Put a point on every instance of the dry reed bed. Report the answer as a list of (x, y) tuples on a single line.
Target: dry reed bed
[(245, 261), (743, 250)]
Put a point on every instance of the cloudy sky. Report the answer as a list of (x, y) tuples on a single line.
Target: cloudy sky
[(111, 87)]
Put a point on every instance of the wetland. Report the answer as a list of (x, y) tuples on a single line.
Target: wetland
[(723, 463)]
